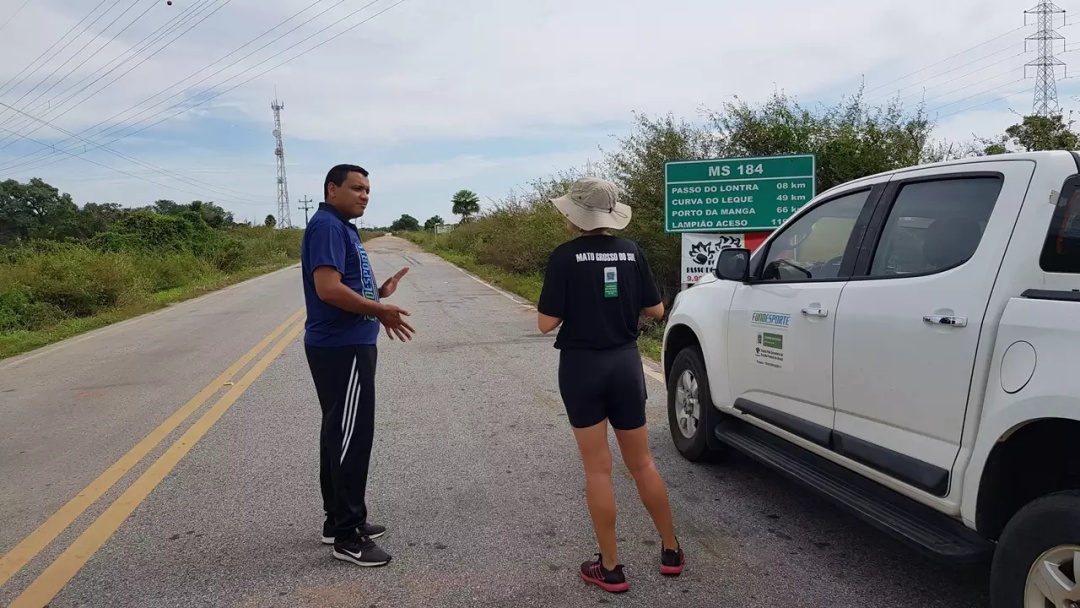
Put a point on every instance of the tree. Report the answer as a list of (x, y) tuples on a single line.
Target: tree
[(405, 223), (35, 210), (432, 222), (270, 221), (96, 218), (466, 204), (1035, 133), (214, 215), (165, 207)]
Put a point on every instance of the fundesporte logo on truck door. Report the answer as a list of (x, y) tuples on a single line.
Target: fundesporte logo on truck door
[(779, 320)]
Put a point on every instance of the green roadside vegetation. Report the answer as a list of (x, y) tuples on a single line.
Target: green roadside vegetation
[(66, 270), (507, 241)]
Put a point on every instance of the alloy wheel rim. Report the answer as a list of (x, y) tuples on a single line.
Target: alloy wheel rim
[(1054, 579), (687, 404)]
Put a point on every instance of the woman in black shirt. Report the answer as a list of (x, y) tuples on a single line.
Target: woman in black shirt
[(597, 286)]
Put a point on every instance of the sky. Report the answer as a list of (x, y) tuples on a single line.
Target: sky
[(131, 101)]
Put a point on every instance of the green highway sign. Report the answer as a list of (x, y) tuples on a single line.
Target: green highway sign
[(736, 194)]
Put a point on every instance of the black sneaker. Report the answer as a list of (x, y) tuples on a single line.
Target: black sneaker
[(372, 531), (671, 561), (362, 551), (612, 581)]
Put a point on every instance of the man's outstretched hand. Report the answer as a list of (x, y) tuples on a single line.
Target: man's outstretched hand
[(391, 318), (390, 286)]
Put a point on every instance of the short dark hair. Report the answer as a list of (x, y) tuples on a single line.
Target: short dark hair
[(337, 176)]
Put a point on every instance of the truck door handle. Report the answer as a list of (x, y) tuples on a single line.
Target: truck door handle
[(816, 312), (946, 320)]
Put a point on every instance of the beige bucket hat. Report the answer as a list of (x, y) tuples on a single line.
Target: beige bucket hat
[(592, 203)]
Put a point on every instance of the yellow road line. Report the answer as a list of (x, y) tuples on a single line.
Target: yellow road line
[(61, 571), (36, 541)]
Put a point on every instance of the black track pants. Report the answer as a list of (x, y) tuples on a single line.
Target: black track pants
[(345, 382)]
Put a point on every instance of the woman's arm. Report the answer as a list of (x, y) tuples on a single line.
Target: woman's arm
[(545, 323), (551, 307)]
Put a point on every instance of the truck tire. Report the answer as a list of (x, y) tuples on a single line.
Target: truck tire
[(688, 379), (1045, 532)]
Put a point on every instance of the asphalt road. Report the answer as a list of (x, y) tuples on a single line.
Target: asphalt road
[(474, 471)]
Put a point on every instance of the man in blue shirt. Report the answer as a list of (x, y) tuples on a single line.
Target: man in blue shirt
[(344, 314)]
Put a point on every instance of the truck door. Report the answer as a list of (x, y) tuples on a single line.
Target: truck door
[(780, 325), (909, 321)]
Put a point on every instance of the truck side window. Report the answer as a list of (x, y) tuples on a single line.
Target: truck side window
[(1061, 250), (813, 246), (934, 225)]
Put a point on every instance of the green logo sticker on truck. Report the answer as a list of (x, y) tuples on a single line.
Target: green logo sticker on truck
[(772, 341), (769, 351)]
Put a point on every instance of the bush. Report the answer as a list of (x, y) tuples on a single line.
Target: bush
[(45, 283), (77, 281)]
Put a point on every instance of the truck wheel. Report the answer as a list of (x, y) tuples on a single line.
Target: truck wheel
[(691, 414), (1038, 555)]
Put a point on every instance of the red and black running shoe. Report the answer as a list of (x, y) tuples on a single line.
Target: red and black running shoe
[(671, 561), (612, 581)]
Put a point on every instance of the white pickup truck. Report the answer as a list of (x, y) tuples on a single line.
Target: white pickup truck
[(908, 346)]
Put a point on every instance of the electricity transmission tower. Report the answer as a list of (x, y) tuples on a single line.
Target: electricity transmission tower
[(1046, 101), (306, 206), (282, 184)]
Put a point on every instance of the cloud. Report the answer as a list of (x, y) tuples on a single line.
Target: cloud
[(434, 96)]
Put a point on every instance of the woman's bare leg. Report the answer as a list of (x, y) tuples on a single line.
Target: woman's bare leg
[(599, 494), (634, 446)]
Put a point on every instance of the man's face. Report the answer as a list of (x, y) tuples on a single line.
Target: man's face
[(351, 198)]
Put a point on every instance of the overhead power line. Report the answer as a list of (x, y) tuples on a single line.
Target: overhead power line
[(968, 86), (260, 74), (3, 88), (132, 175), (175, 95), (170, 27), (961, 100), (1014, 30), (335, 36), (976, 71), (990, 101), (88, 56), (13, 15), (123, 112), (979, 59), (175, 175)]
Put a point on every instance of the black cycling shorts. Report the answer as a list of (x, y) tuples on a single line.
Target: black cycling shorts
[(599, 384)]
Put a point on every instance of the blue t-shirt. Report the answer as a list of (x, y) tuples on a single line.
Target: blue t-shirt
[(329, 240)]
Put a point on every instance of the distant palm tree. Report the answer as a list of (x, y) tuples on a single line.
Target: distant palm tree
[(466, 204)]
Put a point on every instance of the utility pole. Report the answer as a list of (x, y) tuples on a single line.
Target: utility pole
[(306, 206), (284, 220), (1046, 101)]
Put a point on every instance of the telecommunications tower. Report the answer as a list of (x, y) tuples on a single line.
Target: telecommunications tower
[(282, 184), (1046, 101)]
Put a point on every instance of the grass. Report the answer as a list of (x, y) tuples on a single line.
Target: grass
[(51, 291), (527, 286), (17, 342)]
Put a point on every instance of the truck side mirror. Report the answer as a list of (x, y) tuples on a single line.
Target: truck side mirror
[(734, 264)]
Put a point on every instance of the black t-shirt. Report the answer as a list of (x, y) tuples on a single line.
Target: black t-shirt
[(597, 285)]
